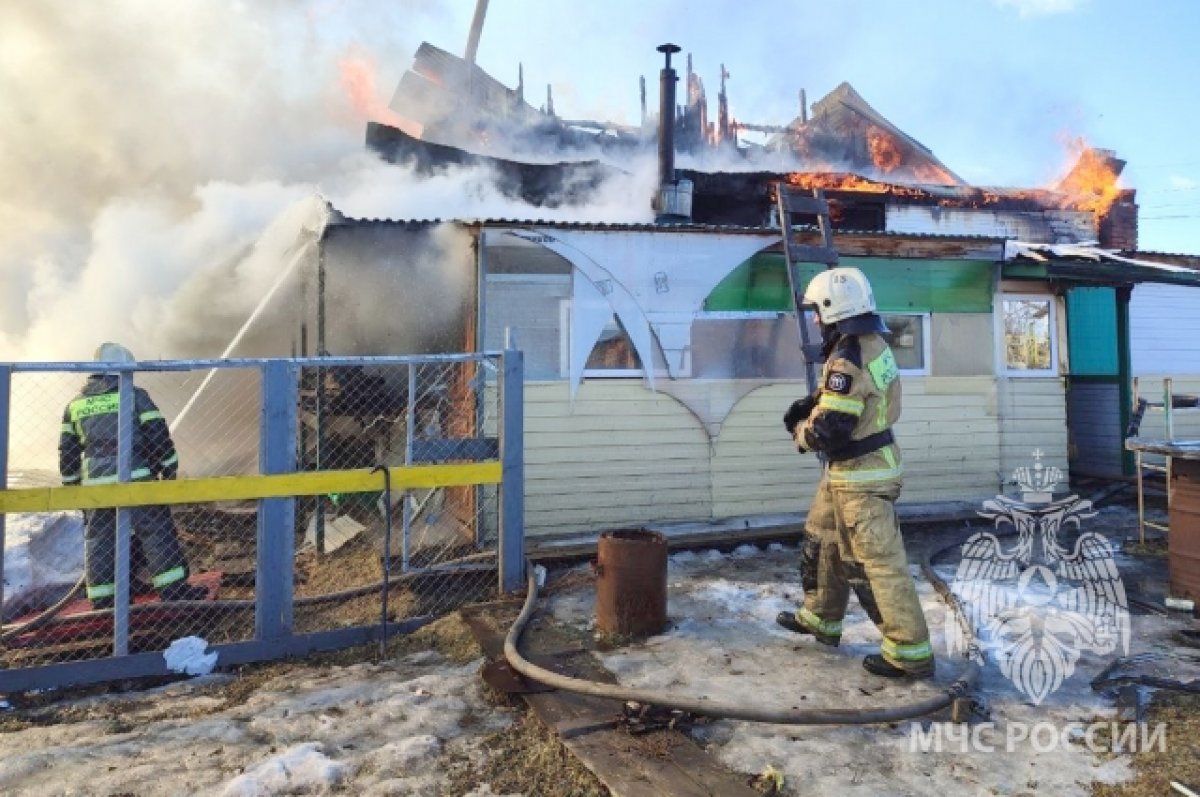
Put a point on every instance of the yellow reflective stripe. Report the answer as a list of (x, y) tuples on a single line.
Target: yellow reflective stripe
[(151, 415), (101, 591), (234, 488), (68, 428), (850, 406), (881, 416), (917, 651), (168, 577), (824, 627), (171, 460), (894, 470)]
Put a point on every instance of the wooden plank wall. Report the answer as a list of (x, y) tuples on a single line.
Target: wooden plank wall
[(621, 455)]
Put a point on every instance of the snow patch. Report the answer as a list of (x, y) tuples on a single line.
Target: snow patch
[(303, 768), (41, 549)]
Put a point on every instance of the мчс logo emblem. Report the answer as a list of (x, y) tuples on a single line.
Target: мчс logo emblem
[(1041, 602)]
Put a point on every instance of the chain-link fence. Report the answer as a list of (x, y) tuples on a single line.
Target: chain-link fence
[(267, 507)]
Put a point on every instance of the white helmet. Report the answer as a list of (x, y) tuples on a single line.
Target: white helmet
[(113, 353), (840, 293)]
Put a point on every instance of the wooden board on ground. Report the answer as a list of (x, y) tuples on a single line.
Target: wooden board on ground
[(661, 763)]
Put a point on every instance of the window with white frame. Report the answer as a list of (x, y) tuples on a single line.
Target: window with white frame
[(908, 337), (1029, 335)]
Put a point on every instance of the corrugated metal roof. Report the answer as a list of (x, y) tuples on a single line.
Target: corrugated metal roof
[(652, 227)]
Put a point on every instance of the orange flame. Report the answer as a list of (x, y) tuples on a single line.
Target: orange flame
[(845, 181), (1093, 183), (885, 154), (358, 79)]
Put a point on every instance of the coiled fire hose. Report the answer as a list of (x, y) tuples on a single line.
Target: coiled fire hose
[(957, 690)]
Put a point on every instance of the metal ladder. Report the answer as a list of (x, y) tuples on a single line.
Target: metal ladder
[(790, 201)]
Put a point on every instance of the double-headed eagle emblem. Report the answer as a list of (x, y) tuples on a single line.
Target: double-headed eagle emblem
[(1043, 601)]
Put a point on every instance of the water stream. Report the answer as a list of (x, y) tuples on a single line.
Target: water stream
[(241, 333)]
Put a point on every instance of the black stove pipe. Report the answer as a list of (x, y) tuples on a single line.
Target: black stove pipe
[(666, 117)]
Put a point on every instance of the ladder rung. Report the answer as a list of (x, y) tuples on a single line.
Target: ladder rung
[(1158, 526), (1159, 468), (804, 253), (805, 204)]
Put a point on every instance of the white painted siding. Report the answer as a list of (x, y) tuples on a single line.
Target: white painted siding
[(1186, 422), (1035, 419), (1033, 226), (1164, 330), (622, 455)]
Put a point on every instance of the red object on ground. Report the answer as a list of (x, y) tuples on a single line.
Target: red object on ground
[(77, 620)]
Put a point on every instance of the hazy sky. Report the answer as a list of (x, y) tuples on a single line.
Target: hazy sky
[(994, 87)]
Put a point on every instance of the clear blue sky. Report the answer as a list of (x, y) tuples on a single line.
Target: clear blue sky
[(993, 87)]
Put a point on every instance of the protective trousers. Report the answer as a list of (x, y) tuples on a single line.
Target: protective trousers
[(160, 547), (852, 541)]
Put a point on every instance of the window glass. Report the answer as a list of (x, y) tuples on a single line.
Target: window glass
[(1028, 341), (906, 336), (614, 350), (747, 346)]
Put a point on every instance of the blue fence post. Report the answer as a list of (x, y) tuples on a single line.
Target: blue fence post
[(276, 516), (512, 462), (125, 421), (5, 403)]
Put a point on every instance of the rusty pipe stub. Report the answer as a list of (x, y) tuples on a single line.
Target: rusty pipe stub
[(631, 583)]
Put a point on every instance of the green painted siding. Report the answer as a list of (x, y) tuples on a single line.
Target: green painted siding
[(1092, 331), (900, 285)]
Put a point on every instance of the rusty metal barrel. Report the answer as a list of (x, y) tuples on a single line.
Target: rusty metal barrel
[(631, 583), (1184, 545)]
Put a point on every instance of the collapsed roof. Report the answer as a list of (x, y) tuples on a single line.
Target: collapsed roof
[(869, 168)]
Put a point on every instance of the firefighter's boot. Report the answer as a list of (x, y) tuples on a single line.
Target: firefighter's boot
[(878, 665), (804, 622)]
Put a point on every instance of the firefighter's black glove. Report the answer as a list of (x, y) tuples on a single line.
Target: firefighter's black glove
[(798, 413)]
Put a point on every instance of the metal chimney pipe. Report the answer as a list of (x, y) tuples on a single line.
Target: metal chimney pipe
[(666, 117)]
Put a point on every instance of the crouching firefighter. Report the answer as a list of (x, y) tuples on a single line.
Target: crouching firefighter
[(87, 454), (852, 538)]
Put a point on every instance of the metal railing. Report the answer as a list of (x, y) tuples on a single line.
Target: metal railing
[(320, 503)]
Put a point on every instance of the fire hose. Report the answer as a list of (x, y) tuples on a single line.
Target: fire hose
[(949, 696)]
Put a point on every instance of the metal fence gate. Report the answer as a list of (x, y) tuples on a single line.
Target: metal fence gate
[(319, 503)]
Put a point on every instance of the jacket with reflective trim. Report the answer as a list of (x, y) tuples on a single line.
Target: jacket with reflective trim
[(859, 397), (87, 446)]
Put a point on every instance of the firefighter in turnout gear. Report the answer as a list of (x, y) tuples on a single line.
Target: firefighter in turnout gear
[(852, 538), (87, 454)]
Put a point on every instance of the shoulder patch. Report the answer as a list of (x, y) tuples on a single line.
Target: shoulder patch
[(840, 383)]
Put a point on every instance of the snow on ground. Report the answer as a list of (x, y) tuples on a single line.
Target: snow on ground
[(41, 550), (394, 728), (368, 729), (723, 644)]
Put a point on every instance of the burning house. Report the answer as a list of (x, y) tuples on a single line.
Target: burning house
[(659, 356)]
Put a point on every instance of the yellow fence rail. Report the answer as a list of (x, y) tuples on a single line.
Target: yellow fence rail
[(240, 488)]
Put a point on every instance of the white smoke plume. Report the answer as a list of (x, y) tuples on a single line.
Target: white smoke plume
[(147, 148)]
